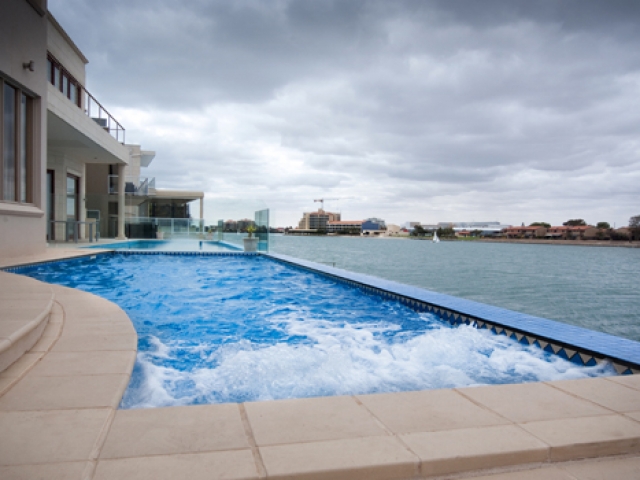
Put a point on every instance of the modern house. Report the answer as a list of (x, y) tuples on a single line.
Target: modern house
[(144, 203), (66, 171), (84, 144)]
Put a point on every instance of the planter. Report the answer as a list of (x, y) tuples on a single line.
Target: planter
[(159, 235), (250, 244)]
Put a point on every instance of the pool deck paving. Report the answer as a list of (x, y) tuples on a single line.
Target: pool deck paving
[(59, 416)]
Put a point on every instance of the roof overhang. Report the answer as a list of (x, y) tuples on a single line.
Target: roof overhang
[(177, 195)]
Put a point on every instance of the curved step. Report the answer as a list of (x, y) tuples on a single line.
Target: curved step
[(26, 306)]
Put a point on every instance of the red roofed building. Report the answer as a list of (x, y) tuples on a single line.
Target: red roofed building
[(525, 232)]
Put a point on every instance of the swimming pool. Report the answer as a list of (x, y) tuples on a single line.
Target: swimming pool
[(237, 328)]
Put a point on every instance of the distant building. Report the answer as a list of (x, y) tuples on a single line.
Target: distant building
[(243, 224), (525, 232), (572, 232), (409, 225), (317, 220), (382, 225), (487, 229), (347, 226)]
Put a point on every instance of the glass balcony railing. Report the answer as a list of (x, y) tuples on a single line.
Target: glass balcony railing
[(132, 185)]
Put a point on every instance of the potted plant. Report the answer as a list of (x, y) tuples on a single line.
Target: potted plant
[(250, 242)]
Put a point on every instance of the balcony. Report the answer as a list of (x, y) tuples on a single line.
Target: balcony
[(137, 186), (60, 78), (102, 117)]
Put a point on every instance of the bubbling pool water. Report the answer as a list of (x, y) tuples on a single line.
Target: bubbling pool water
[(341, 362), (234, 329)]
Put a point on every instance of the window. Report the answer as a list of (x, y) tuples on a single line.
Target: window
[(64, 81), (16, 140)]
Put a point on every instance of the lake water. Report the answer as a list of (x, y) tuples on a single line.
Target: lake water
[(592, 287)]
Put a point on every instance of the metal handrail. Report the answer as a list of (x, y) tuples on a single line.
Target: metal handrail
[(110, 118)]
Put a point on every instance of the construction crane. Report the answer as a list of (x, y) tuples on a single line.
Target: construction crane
[(321, 200)]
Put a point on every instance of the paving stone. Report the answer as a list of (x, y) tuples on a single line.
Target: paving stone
[(159, 431), (70, 392), (229, 465), (605, 469), (94, 342), (428, 411), (47, 471), (310, 420), (573, 438), (369, 458), (84, 363), (539, 473), (531, 402), (612, 395), (20, 366), (468, 449), (49, 437), (632, 381)]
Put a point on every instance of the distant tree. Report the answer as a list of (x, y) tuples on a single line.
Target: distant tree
[(618, 236), (634, 227), (476, 233), (540, 224), (446, 232), (603, 225), (418, 231), (577, 222)]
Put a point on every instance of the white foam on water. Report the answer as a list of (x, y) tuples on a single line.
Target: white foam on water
[(342, 359)]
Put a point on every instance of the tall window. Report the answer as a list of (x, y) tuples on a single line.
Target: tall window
[(9, 143), (16, 139)]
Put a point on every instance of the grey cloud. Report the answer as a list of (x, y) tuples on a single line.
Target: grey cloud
[(407, 96)]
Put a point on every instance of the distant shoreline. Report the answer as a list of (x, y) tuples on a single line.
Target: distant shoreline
[(581, 243)]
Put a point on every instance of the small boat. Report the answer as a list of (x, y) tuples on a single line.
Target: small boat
[(435, 238)]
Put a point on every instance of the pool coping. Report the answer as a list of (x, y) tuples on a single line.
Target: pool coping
[(361, 436)]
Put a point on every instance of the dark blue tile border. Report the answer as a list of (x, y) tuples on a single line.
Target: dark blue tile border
[(22, 267), (577, 344)]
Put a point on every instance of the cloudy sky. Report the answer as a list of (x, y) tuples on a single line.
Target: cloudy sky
[(451, 110)]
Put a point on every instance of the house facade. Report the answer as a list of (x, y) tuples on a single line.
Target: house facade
[(84, 143), (65, 170), (23, 126)]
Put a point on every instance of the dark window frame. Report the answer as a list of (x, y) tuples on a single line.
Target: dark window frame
[(63, 75), (23, 141)]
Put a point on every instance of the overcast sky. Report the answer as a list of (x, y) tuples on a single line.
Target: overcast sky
[(431, 111)]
